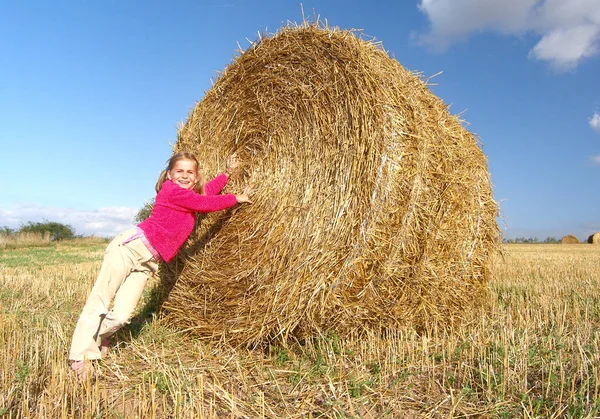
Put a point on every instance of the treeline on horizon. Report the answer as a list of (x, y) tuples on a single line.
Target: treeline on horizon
[(59, 231), (43, 234), (55, 231), (521, 240)]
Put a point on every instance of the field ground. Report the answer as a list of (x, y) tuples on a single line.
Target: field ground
[(535, 353)]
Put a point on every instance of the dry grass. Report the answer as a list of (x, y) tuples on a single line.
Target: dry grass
[(22, 240), (594, 238), (569, 239), (534, 354), (373, 206), (13, 241)]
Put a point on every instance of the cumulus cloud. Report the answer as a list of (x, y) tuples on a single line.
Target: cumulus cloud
[(594, 122), (103, 222), (568, 31), (595, 160)]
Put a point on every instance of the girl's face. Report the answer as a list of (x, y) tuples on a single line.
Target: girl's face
[(184, 173)]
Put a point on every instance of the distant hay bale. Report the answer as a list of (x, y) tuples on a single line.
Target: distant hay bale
[(373, 205), (569, 239), (594, 238)]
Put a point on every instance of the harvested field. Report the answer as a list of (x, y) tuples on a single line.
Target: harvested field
[(535, 353)]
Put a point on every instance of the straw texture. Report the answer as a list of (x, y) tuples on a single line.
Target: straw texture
[(569, 239), (594, 238), (373, 205)]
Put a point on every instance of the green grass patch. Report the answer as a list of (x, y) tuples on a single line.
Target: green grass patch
[(37, 257)]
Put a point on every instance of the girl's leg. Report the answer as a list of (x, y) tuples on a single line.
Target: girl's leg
[(116, 266), (123, 275), (126, 300), (130, 292), (104, 347)]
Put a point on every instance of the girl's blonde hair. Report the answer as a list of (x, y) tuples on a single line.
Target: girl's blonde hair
[(182, 155)]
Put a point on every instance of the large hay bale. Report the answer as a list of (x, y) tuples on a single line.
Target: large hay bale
[(594, 238), (569, 239), (373, 205)]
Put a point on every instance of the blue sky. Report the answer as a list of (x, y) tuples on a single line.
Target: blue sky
[(91, 94)]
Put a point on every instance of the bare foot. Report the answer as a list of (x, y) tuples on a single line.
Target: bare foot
[(104, 347), (83, 369)]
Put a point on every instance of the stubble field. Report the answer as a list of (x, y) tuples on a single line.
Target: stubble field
[(535, 352)]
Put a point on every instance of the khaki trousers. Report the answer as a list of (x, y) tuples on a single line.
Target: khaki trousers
[(123, 276)]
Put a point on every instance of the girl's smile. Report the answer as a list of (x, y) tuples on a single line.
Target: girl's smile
[(184, 173)]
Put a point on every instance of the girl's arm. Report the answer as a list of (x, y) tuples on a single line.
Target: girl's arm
[(192, 201), (216, 185)]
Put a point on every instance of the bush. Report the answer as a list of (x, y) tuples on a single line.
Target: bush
[(6, 231), (144, 212), (56, 230)]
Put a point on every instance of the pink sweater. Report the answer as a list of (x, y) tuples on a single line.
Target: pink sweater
[(174, 214)]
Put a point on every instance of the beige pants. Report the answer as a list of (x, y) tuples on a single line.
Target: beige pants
[(123, 275)]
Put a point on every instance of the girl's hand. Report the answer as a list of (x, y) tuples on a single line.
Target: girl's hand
[(244, 198), (232, 164)]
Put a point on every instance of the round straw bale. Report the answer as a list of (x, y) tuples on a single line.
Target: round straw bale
[(569, 239), (373, 204), (594, 238)]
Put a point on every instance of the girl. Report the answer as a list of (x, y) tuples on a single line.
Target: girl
[(134, 254)]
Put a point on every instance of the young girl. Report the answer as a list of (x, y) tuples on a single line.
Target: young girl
[(134, 254)]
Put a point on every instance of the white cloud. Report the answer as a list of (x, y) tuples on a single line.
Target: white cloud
[(595, 160), (103, 222), (564, 48), (568, 30), (594, 122)]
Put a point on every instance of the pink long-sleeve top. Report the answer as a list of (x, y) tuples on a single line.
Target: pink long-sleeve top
[(174, 214)]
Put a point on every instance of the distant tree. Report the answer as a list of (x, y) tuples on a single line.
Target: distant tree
[(551, 240), (527, 240), (144, 212), (6, 231), (56, 230)]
